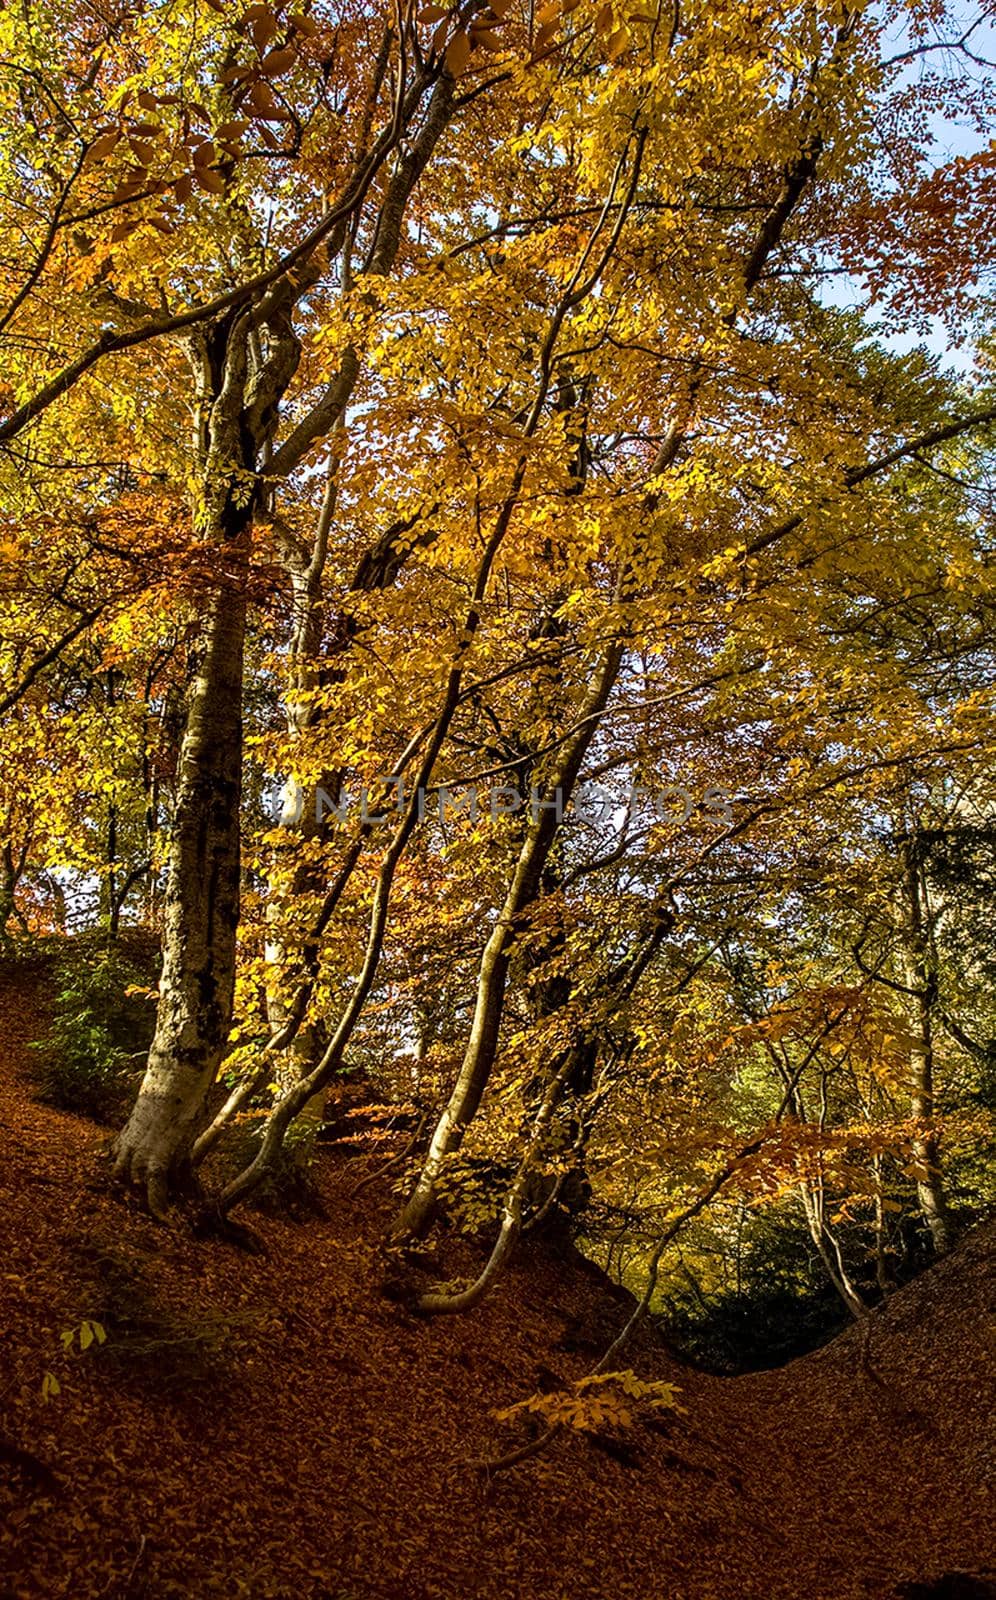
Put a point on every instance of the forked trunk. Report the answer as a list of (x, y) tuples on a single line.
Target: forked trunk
[(235, 408), (482, 1044)]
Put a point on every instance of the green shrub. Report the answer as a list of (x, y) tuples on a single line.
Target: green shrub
[(99, 1034), (289, 1188), (772, 1302)]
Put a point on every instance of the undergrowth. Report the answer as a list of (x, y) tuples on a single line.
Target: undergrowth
[(100, 1026)]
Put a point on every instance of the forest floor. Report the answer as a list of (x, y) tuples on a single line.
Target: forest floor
[(272, 1426)]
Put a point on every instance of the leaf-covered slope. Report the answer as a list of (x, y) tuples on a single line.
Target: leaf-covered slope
[(273, 1426)]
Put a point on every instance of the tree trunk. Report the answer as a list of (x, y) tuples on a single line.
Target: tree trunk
[(201, 911), (482, 1043), (292, 960), (921, 981), (829, 1251), (236, 410), (11, 869)]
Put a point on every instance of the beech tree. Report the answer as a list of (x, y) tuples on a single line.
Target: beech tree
[(484, 400)]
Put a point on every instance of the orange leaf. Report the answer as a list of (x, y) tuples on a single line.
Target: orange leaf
[(278, 62), (264, 29), (457, 54), (261, 97), (212, 181), (129, 187), (103, 146)]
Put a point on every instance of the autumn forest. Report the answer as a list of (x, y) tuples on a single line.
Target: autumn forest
[(497, 799)]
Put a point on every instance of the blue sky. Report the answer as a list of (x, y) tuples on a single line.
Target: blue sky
[(952, 137)]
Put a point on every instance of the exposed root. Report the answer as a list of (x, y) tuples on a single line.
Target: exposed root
[(162, 1183), (209, 1222)]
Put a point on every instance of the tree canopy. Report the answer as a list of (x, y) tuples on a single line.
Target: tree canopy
[(497, 574)]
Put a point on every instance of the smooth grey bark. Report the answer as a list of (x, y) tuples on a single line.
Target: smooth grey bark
[(583, 281), (574, 1063), (244, 353), (293, 962), (482, 1042), (921, 982), (235, 408), (201, 908)]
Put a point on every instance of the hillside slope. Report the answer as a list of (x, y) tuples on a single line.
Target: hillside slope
[(272, 1426)]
